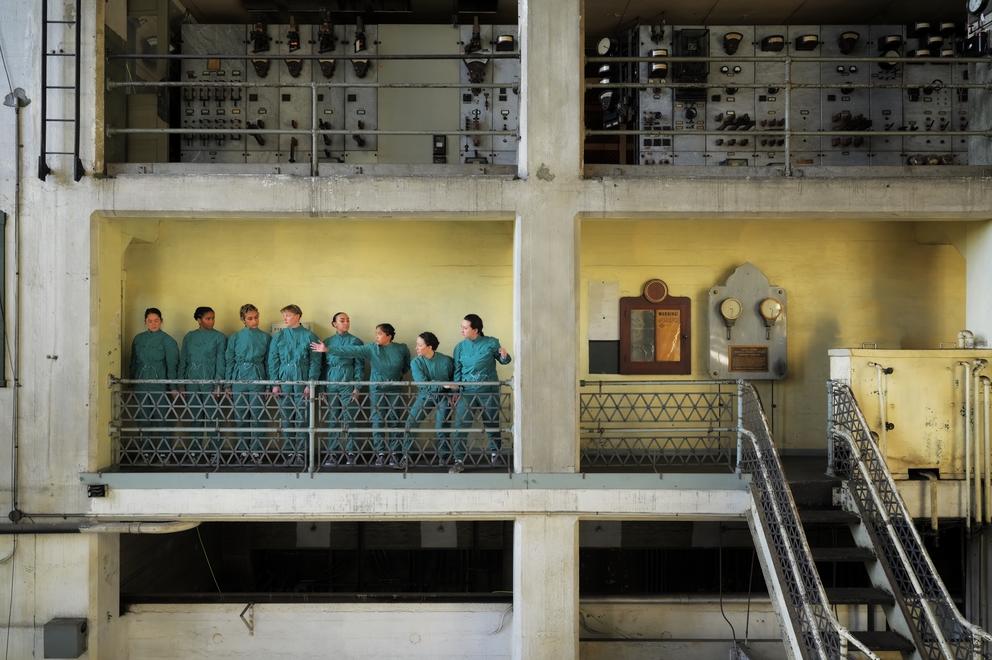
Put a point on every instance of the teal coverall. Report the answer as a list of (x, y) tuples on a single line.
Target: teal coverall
[(388, 363), (341, 407), (475, 362), (440, 368), (290, 358), (154, 356), (202, 358), (245, 357)]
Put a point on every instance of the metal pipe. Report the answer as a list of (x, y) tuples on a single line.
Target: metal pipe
[(635, 383), (77, 165), (115, 84), (788, 117), (778, 133), (967, 445), (754, 58), (43, 169), (977, 366), (110, 527), (203, 381), (293, 131), (313, 125), (364, 56), (987, 393), (883, 413), (169, 527), (666, 85), (312, 435)]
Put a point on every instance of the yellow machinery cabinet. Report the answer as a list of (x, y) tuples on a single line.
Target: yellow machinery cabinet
[(924, 397)]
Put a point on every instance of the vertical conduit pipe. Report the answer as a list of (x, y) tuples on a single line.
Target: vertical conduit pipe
[(883, 404), (977, 366), (987, 395), (967, 446)]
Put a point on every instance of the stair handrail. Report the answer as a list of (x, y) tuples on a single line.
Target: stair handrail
[(820, 632), (860, 460)]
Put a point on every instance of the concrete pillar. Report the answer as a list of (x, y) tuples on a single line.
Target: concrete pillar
[(546, 587), (551, 116), (547, 238), (545, 265), (978, 285)]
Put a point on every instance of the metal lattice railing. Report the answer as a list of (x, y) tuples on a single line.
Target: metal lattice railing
[(653, 424), (817, 630), (310, 425), (939, 629)]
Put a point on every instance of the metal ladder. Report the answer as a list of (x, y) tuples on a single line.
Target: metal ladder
[(55, 55)]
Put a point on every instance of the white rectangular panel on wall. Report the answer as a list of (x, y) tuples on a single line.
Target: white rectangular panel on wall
[(604, 310)]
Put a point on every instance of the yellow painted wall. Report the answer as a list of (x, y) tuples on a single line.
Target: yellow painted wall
[(847, 283), (417, 275)]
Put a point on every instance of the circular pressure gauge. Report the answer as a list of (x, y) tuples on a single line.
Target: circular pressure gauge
[(976, 7), (770, 310), (731, 309), (604, 46)]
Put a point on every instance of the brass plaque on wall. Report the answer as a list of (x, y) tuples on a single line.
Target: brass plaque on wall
[(748, 358)]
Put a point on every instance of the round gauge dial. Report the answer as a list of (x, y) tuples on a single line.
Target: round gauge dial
[(770, 309), (655, 291), (604, 46), (976, 7), (731, 309)]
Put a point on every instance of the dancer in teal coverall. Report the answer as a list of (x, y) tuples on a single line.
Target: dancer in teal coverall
[(475, 362), (389, 361), (245, 357), (430, 366), (202, 358), (342, 399), (154, 356), (290, 358)]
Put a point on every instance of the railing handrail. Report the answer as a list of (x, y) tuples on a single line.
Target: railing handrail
[(883, 477), (672, 382), (320, 383), (769, 464)]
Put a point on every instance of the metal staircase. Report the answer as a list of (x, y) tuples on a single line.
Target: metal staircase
[(810, 629), (922, 607)]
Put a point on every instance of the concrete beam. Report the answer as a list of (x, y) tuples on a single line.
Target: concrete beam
[(468, 497)]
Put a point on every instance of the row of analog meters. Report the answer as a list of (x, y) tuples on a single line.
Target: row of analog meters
[(770, 310)]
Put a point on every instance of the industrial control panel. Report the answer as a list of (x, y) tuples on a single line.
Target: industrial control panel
[(270, 89), (487, 108), (748, 104)]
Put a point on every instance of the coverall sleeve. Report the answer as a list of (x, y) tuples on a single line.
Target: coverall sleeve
[(229, 356), (456, 375), (171, 358), (316, 360), (420, 374), (502, 360), (350, 351), (220, 366), (358, 365), (274, 362), (183, 356)]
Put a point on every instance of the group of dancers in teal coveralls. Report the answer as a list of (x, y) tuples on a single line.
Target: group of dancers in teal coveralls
[(297, 354)]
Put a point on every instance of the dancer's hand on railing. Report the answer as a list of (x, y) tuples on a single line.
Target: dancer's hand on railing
[(276, 389)]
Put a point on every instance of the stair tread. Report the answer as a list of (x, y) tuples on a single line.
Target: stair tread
[(883, 640), (827, 516), (853, 553), (858, 596)]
